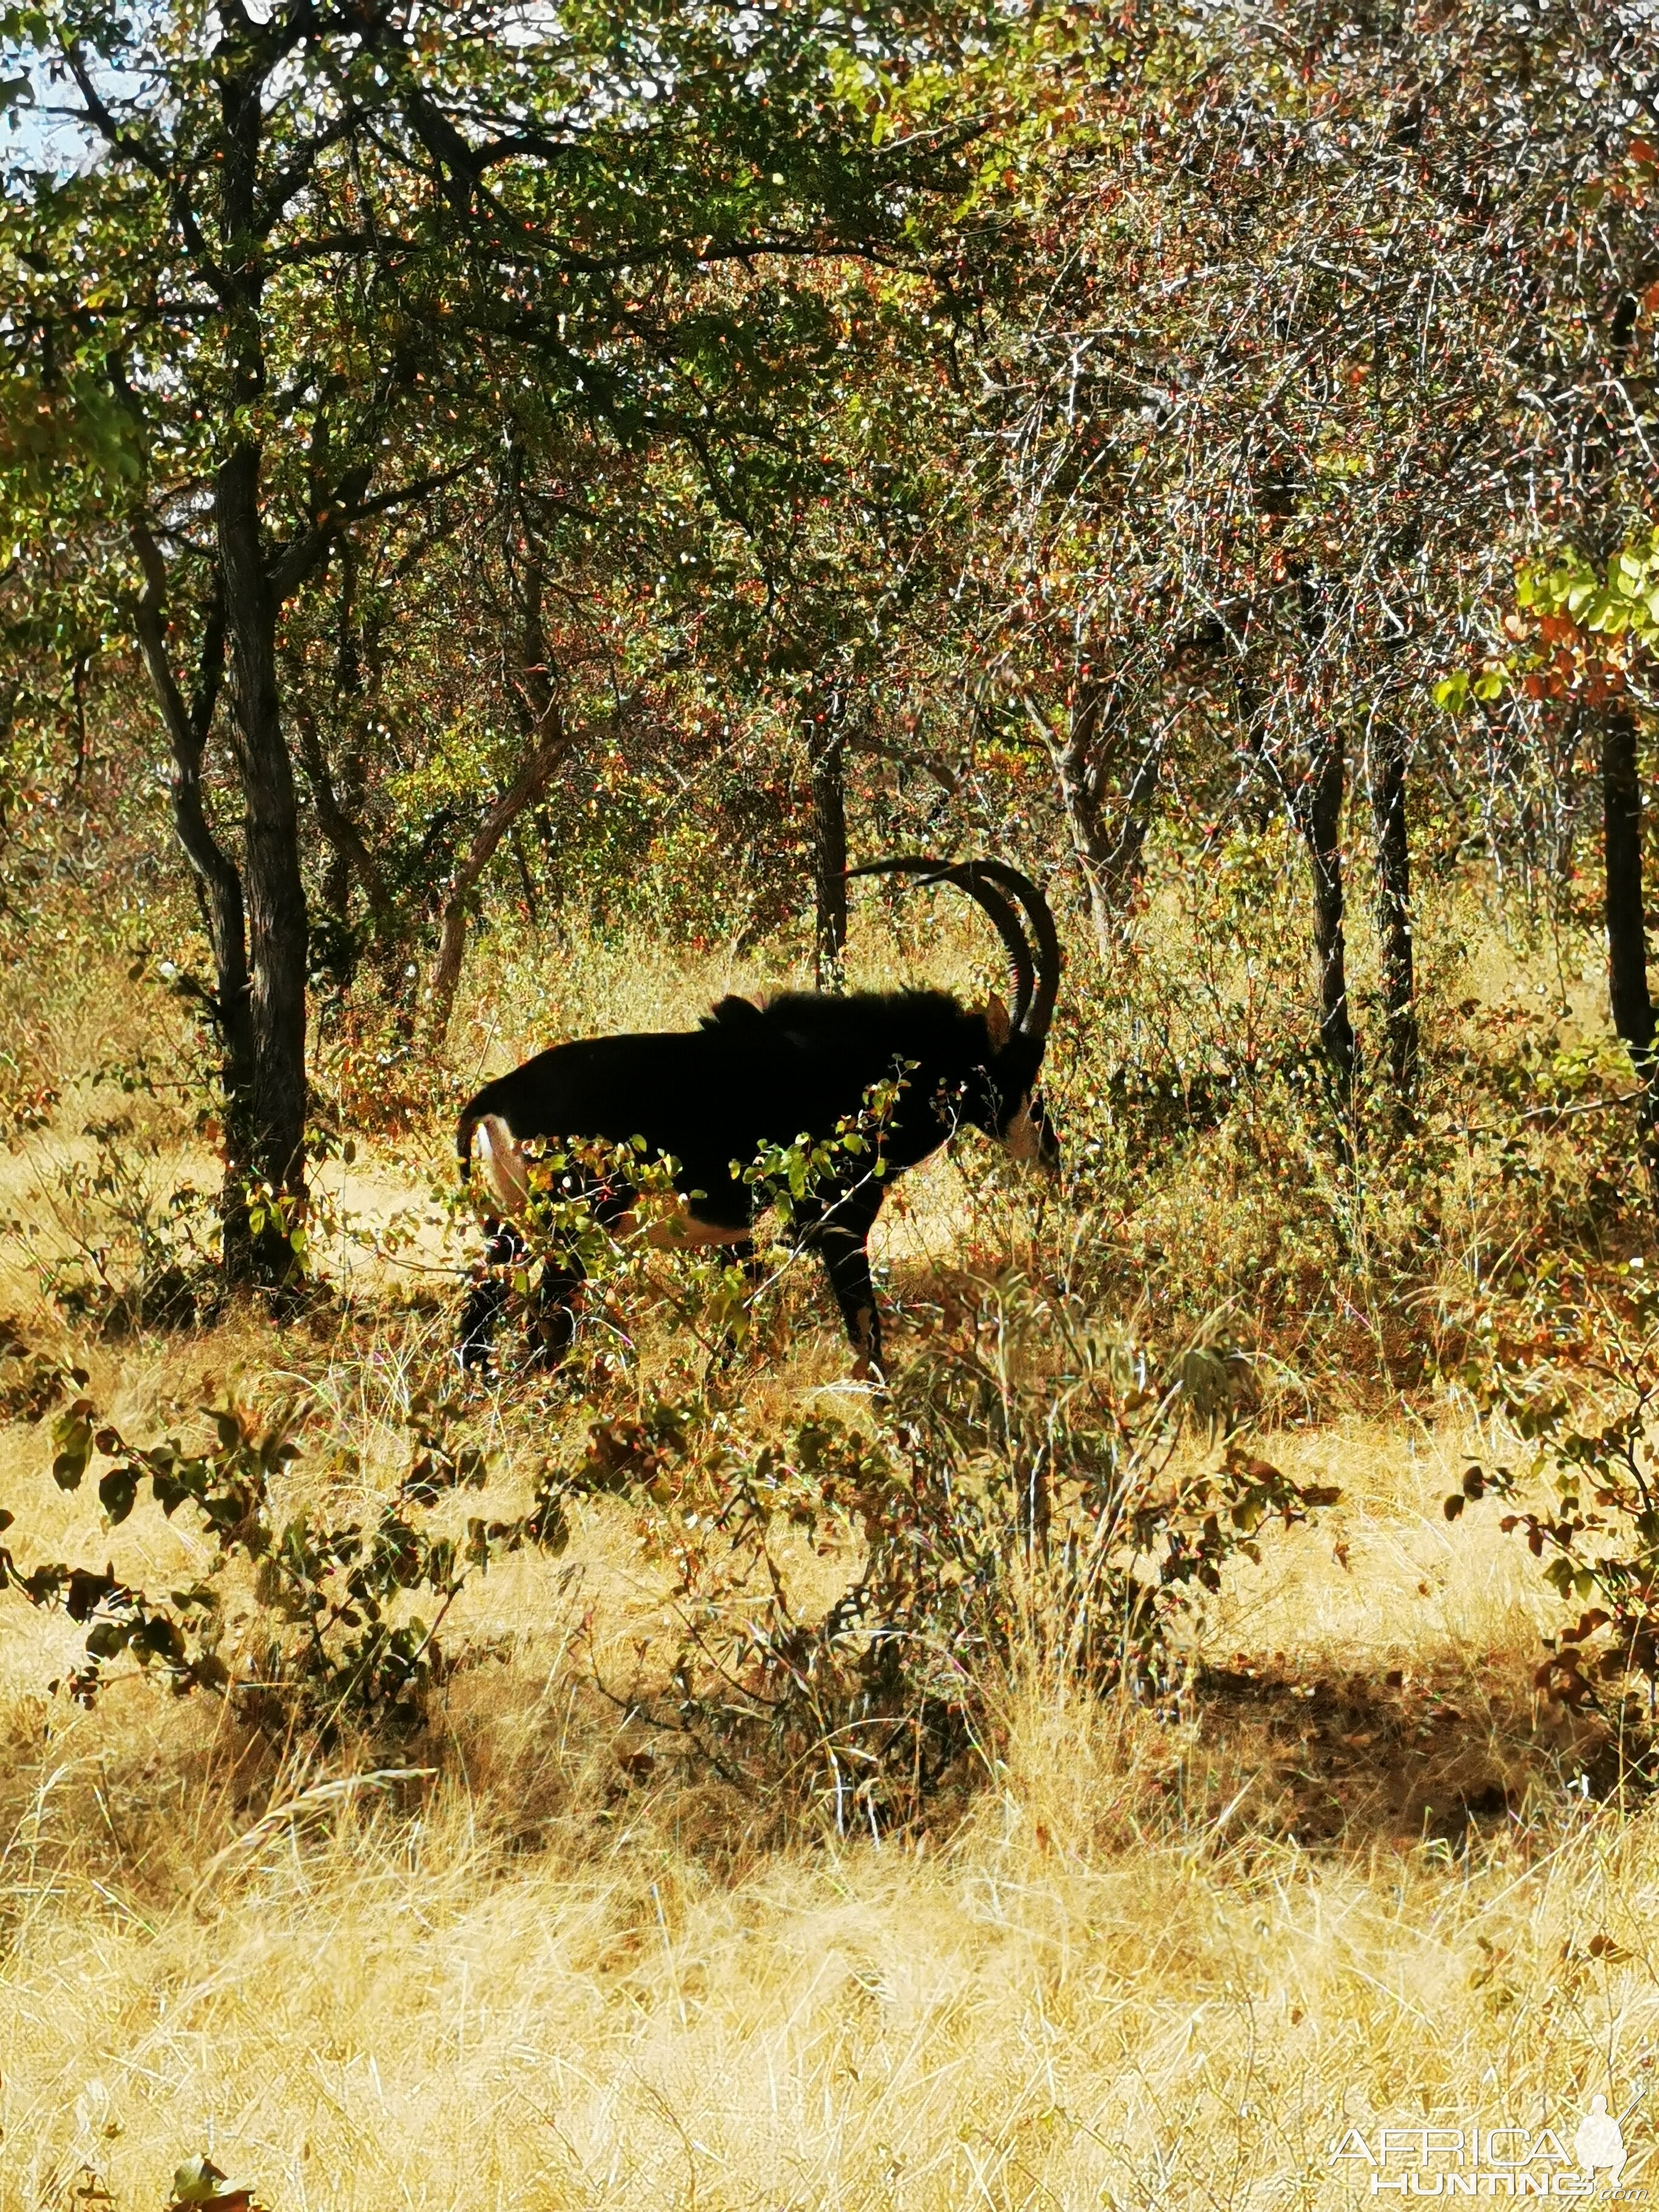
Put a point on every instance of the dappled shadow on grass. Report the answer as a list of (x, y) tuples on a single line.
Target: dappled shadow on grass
[(1451, 1755), (1449, 1751), (167, 1803)]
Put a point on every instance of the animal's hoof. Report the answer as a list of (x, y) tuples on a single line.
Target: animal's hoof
[(475, 1340), (504, 1245)]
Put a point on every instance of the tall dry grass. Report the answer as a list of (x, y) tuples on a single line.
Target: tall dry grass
[(554, 1972), (534, 1956)]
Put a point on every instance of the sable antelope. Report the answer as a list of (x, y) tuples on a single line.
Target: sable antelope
[(710, 1098)]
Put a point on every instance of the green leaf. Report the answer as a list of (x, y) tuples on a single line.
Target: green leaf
[(1453, 691), (72, 1434), (195, 2181)]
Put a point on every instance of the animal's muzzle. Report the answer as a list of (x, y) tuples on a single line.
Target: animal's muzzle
[(1047, 1153), (1030, 1135)]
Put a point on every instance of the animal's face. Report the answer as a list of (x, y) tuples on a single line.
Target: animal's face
[(1028, 1136)]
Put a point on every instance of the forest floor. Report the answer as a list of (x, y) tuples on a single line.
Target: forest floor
[(1356, 1876)]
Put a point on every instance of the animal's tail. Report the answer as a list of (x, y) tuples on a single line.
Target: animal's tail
[(464, 1130)]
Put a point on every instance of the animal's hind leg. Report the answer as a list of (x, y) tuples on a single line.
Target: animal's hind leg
[(847, 1263), (551, 1317), (482, 1309), (754, 1271), (480, 1312), (553, 1308)]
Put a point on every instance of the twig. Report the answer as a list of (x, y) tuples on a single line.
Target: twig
[(1545, 1113)]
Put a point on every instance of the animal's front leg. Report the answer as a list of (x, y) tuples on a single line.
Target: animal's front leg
[(553, 1308)]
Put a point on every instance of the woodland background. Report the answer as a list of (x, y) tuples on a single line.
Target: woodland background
[(498, 506)]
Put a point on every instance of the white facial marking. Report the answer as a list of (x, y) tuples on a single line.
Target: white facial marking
[(1021, 1138)]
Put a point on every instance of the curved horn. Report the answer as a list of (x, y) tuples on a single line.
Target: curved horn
[(969, 876), (1047, 941)]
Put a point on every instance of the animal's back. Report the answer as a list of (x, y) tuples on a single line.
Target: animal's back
[(748, 1077)]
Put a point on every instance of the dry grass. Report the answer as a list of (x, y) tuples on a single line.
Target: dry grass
[(1150, 1958), (1105, 1986)]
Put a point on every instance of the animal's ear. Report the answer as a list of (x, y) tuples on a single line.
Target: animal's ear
[(996, 1022)]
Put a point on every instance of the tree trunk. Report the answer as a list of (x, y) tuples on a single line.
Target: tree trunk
[(526, 881), (77, 719), (1386, 763), (349, 852), (345, 793), (187, 728), (1627, 942), (272, 886), (1106, 796), (336, 890), (1319, 816), (826, 752)]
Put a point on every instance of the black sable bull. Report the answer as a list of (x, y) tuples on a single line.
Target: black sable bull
[(749, 1077)]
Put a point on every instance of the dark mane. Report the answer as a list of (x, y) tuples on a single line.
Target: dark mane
[(730, 1012)]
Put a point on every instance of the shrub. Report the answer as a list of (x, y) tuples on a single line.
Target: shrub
[(1016, 1498), (1583, 1389), (844, 1596)]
